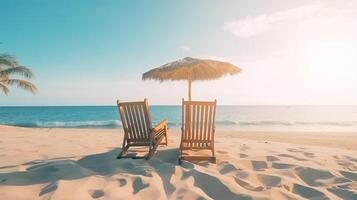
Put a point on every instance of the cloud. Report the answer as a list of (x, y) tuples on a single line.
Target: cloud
[(255, 25), (185, 48)]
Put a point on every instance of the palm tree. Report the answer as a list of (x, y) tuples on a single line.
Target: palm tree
[(10, 66)]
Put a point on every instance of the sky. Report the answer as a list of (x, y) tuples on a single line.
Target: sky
[(94, 52)]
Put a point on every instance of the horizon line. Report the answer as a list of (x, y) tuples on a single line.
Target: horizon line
[(180, 105)]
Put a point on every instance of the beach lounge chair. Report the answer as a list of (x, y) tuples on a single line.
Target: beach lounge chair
[(138, 130), (197, 131)]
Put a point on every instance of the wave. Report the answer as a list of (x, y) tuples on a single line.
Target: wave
[(295, 123), (277, 123), (71, 124), (117, 123)]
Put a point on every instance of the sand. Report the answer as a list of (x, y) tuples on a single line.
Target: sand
[(80, 164)]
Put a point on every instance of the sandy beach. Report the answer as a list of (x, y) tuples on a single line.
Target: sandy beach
[(41, 163)]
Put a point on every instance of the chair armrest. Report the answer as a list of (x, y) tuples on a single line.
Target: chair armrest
[(161, 125)]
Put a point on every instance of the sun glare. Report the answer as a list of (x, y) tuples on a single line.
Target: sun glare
[(331, 63)]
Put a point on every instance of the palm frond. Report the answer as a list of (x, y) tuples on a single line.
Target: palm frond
[(23, 84), (20, 70), (8, 60), (4, 88)]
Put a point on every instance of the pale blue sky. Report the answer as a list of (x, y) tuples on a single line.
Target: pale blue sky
[(92, 52)]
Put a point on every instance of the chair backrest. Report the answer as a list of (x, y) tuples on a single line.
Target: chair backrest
[(198, 120), (136, 119)]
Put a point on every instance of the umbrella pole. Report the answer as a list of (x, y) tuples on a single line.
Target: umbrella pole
[(189, 89)]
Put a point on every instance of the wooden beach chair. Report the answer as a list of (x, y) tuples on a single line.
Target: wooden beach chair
[(198, 129), (138, 130)]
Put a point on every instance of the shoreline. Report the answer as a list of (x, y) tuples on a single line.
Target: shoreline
[(343, 140)]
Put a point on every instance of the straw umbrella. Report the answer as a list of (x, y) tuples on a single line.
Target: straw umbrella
[(191, 69)]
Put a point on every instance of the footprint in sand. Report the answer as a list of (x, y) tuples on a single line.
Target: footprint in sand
[(242, 174), (294, 150), (343, 193), (272, 158), (307, 192), (282, 166), (313, 177), (242, 155), (222, 152), (122, 182), (349, 175), (95, 194), (293, 157), (138, 185), (306, 154), (259, 165), (226, 167), (309, 155), (269, 180), (248, 186)]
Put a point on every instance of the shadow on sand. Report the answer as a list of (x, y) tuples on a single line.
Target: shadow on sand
[(164, 163), (103, 164)]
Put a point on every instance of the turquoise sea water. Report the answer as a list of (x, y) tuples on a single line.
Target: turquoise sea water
[(256, 118)]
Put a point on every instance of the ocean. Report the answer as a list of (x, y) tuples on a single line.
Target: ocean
[(240, 118)]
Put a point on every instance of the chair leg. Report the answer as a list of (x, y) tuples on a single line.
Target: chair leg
[(180, 155), (165, 135), (213, 156), (149, 155), (123, 151), (153, 148), (214, 160), (166, 138)]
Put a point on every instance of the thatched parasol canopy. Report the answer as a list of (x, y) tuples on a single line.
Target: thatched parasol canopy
[(191, 69)]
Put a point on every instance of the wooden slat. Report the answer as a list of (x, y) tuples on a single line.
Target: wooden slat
[(201, 122), (183, 125), (207, 137), (128, 120), (208, 146), (213, 122), (137, 133), (142, 120), (197, 124), (193, 122), (123, 120), (206, 123), (131, 114), (199, 102), (188, 121), (203, 141), (147, 116), (130, 103), (140, 127), (137, 122)]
